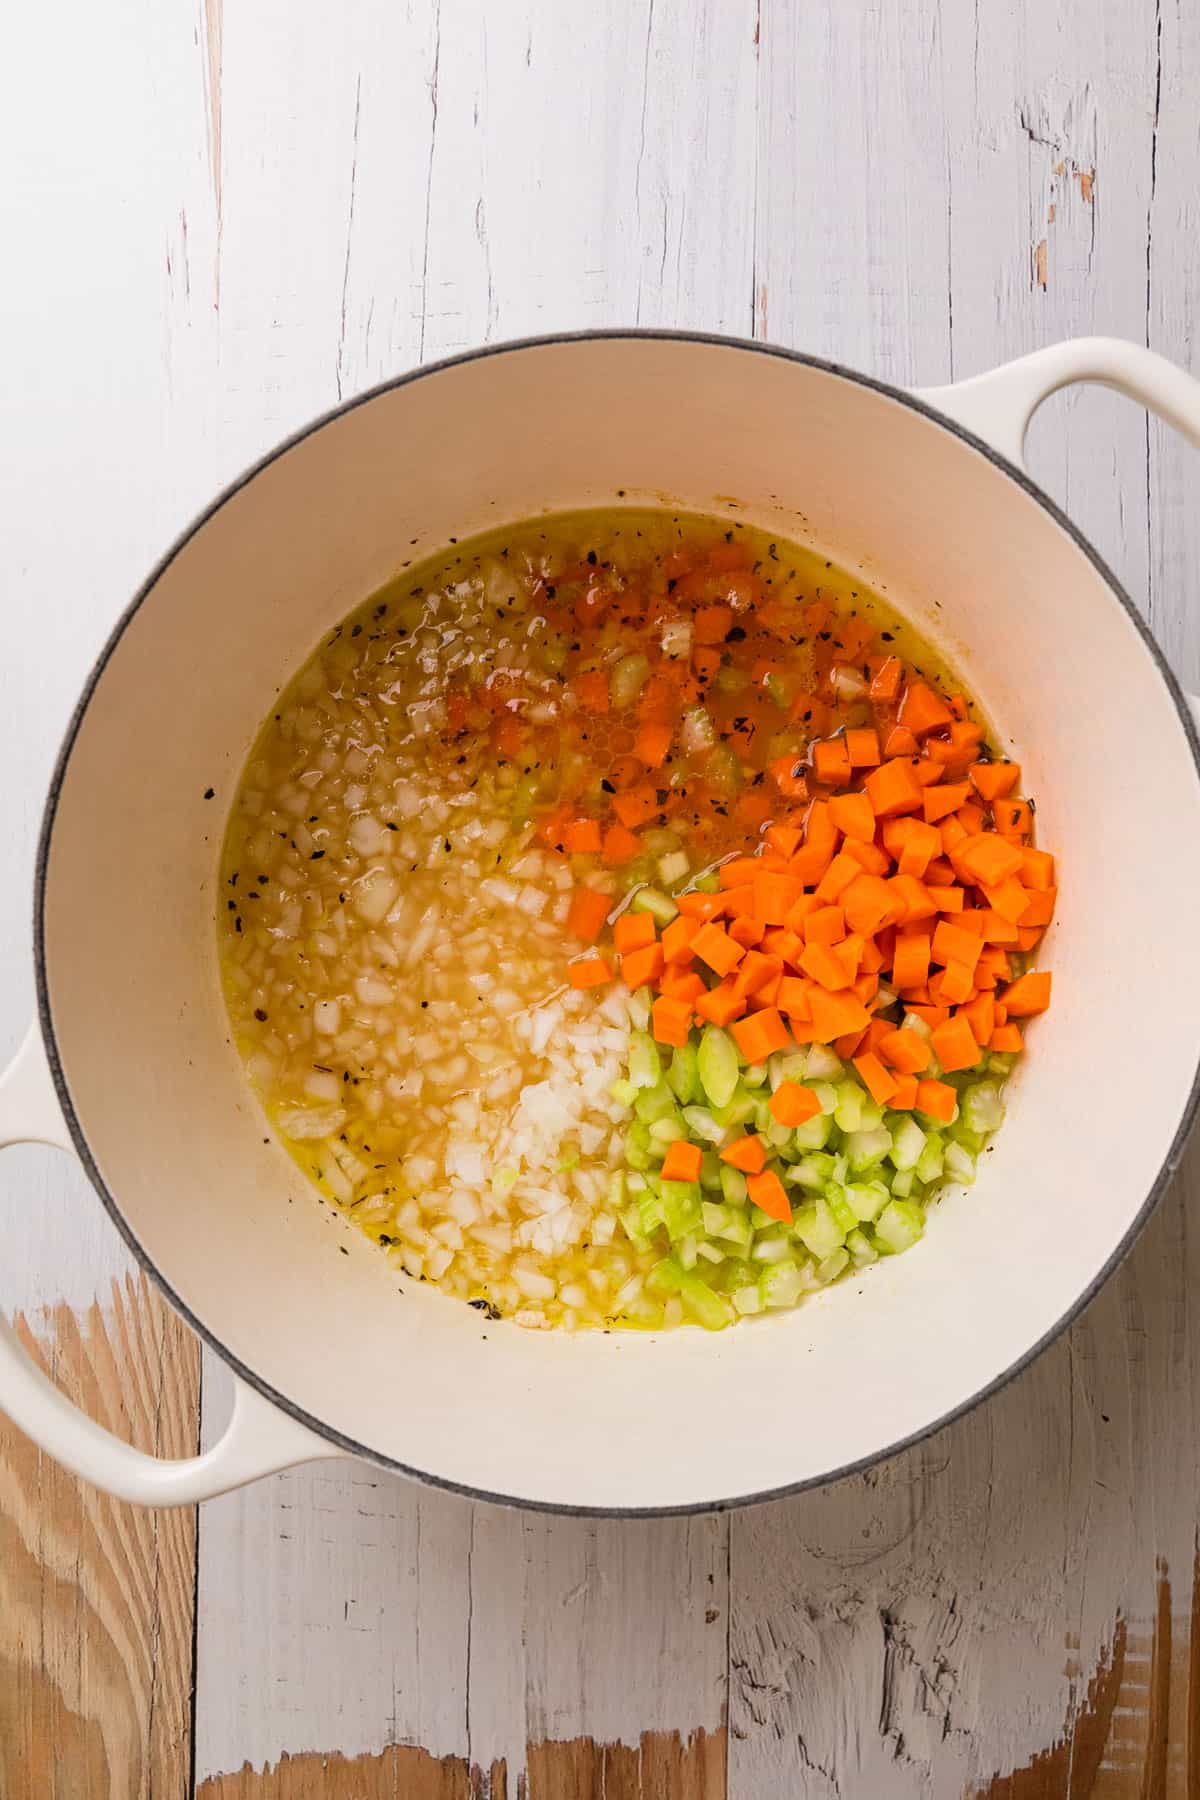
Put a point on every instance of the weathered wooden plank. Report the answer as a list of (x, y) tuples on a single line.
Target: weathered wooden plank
[(96, 1596)]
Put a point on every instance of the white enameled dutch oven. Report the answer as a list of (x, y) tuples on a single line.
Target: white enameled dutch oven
[(131, 1064)]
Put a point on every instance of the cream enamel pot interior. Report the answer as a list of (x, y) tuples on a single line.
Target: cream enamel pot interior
[(924, 496)]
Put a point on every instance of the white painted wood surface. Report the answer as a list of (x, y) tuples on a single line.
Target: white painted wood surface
[(219, 218)]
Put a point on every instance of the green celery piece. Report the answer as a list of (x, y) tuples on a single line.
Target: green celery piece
[(653, 1103), (717, 1065), (733, 1185), (652, 900), (645, 1067), (899, 1226), (683, 1075)]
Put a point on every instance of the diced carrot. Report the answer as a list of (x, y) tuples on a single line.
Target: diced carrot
[(739, 871), (739, 901), (677, 939), (589, 972), (1029, 937), (825, 967), (819, 827), (928, 773), (949, 899), (671, 1020), (937, 1099), (633, 931), (711, 624), (996, 928), (1040, 909), (782, 943), (900, 742), (868, 856), (870, 903), (921, 845), (885, 683), (794, 998), (1028, 994), (705, 663), (879, 1083), (591, 690), (582, 836), (954, 833), (1014, 818), (917, 901), (831, 761), (847, 1046), (825, 925), (757, 1036), (641, 968), (970, 817), (700, 906), (939, 802), (755, 972), (636, 806), (854, 815), (787, 839), (792, 1103), (940, 873), (652, 743), (921, 710), (992, 966), (980, 1015), (587, 914), (721, 1004), (865, 988), (774, 896), (849, 953), (905, 1096), (993, 780), (681, 983), (799, 911), (989, 859), (837, 878), (770, 1196), (932, 1015), (910, 961), (862, 744), (620, 845), (954, 1044), (809, 864), (951, 944), (715, 947), (905, 1051), (893, 788), (746, 931), (745, 1153), (787, 772), (1037, 869), (1010, 900), (952, 985), (833, 1015), (682, 1161), (1007, 1038)]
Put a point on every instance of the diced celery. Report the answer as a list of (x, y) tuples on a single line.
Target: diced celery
[(898, 1226), (932, 1159), (656, 1102), (866, 1147), (746, 1300), (709, 1253), (697, 733), (717, 1062), (645, 1068), (814, 1133), (710, 1171), (741, 1109), (960, 1133), (733, 1185), (861, 1249), (727, 1222), (670, 1276), (755, 1074), (681, 1208), (908, 1142), (823, 1064), (638, 1004), (686, 1251), (651, 900), (845, 1215), (735, 1272), (772, 1131), (702, 1125), (1002, 1062), (781, 1284), (772, 1244), (913, 1022), (983, 1106), (523, 794), (959, 1165), (814, 1171), (849, 1109), (716, 1217), (902, 1184), (707, 884), (868, 1198), (827, 1094), (626, 681), (632, 1221), (817, 1229), (871, 1117), (667, 1130), (673, 867), (637, 1147), (683, 1075), (831, 1266), (615, 1196), (623, 1091), (786, 1065)]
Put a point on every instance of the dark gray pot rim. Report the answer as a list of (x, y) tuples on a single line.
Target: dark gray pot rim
[(335, 1438)]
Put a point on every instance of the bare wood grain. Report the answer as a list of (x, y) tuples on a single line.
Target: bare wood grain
[(96, 1596)]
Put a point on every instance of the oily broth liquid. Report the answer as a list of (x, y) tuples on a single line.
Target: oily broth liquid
[(392, 932)]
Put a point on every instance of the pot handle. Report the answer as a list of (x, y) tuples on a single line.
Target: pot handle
[(998, 406), (259, 1439)]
